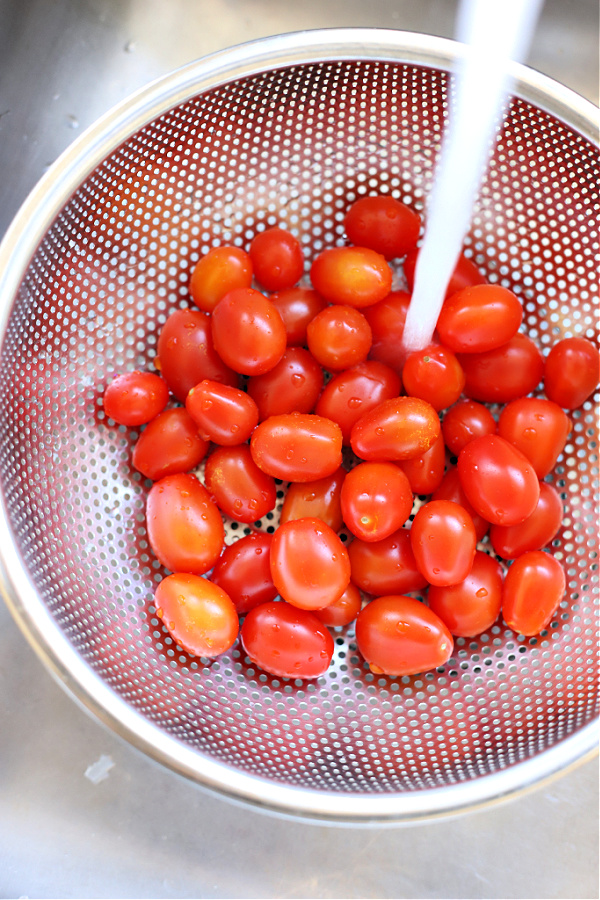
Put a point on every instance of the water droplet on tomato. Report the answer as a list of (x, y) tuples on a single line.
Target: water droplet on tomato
[(252, 504), (530, 433), (379, 430), (289, 454), (402, 627), (235, 429), (435, 571), (258, 551), (237, 505), (298, 379), (354, 402), (172, 626), (376, 670), (159, 612), (481, 593)]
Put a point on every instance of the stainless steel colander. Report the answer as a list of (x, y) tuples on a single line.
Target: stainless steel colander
[(287, 131)]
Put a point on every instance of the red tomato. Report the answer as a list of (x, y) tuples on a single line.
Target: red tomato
[(451, 489), (533, 588), (354, 276), (571, 372), (479, 318), (387, 319), (472, 606), (535, 532), (223, 269), (286, 641), (376, 500), (339, 337), (293, 385), (342, 611), (425, 472), (223, 414), (400, 428), (443, 540), (499, 481), (383, 224), (400, 636), (316, 499), (277, 259), (297, 447), (539, 428), (169, 444), (243, 571), (309, 564), (433, 374), (185, 528), (386, 566), (347, 396), (186, 354), (135, 398), (238, 486), (198, 614), (248, 332), (502, 375), (465, 421), (297, 306), (466, 273)]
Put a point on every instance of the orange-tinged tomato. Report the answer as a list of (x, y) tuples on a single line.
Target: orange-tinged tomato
[(400, 428), (297, 447), (354, 276), (198, 614)]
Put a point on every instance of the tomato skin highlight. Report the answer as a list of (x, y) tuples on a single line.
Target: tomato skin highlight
[(318, 499), (539, 428), (376, 499), (243, 571), (221, 270), (426, 472), (339, 337), (535, 532), (240, 489), (533, 589), (465, 421), (434, 374), (286, 641), (397, 429), (353, 276), (293, 385), (169, 444), (223, 414), (479, 318), (297, 447), (248, 332), (387, 566), (443, 540), (134, 398), (309, 564), (571, 372), (383, 224), (507, 373), (466, 274), (185, 528), (499, 481), (277, 259), (342, 611), (198, 614), (398, 635), (473, 605), (350, 394)]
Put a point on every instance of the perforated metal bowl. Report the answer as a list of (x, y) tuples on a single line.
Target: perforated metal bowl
[(288, 130)]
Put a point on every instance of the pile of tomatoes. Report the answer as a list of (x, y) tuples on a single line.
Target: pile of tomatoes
[(396, 469)]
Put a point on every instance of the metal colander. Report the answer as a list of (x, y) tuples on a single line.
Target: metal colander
[(285, 131)]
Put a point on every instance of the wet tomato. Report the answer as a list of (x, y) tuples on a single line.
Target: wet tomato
[(376, 500), (240, 489), (533, 588), (465, 421), (339, 337), (342, 611), (383, 224), (387, 319), (318, 499), (198, 614), (466, 273), (450, 488), (350, 394), (387, 566), (221, 270), (499, 376), (243, 571), (398, 635), (433, 374), (425, 472), (443, 540), (535, 532), (222, 414), (571, 372), (479, 318), (297, 306), (134, 398), (169, 444), (286, 641), (472, 606), (354, 276), (292, 385), (277, 259), (539, 428), (248, 332), (400, 428), (297, 447)]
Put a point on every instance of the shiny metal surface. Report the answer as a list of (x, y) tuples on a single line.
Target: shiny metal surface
[(408, 887)]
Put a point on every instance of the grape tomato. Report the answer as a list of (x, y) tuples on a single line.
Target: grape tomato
[(353, 276), (386, 566), (223, 414), (134, 398), (277, 259), (297, 306), (434, 374), (186, 354), (169, 444), (539, 428), (443, 540), (240, 489), (260, 336), (350, 394), (376, 500), (221, 270), (383, 224), (198, 614), (243, 571), (463, 422), (479, 318), (533, 589), (473, 605), (426, 471), (318, 499), (504, 374), (292, 385), (297, 447), (396, 429), (287, 641), (571, 372), (339, 337), (538, 529)]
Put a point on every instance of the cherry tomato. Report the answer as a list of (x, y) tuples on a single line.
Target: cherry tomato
[(169, 444), (221, 270), (223, 414), (297, 447), (350, 394), (499, 481), (354, 276), (383, 224), (186, 354), (451, 489), (400, 636), (185, 528), (433, 374), (238, 486), (443, 540), (539, 428), (286, 641), (309, 564), (479, 318), (425, 472), (472, 606), (297, 306), (396, 429), (533, 588), (198, 614), (466, 273), (248, 332), (376, 500), (316, 499), (535, 532), (339, 337), (293, 385), (504, 374), (342, 611), (243, 571), (277, 259), (571, 372), (135, 398), (465, 421), (386, 566), (387, 319)]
